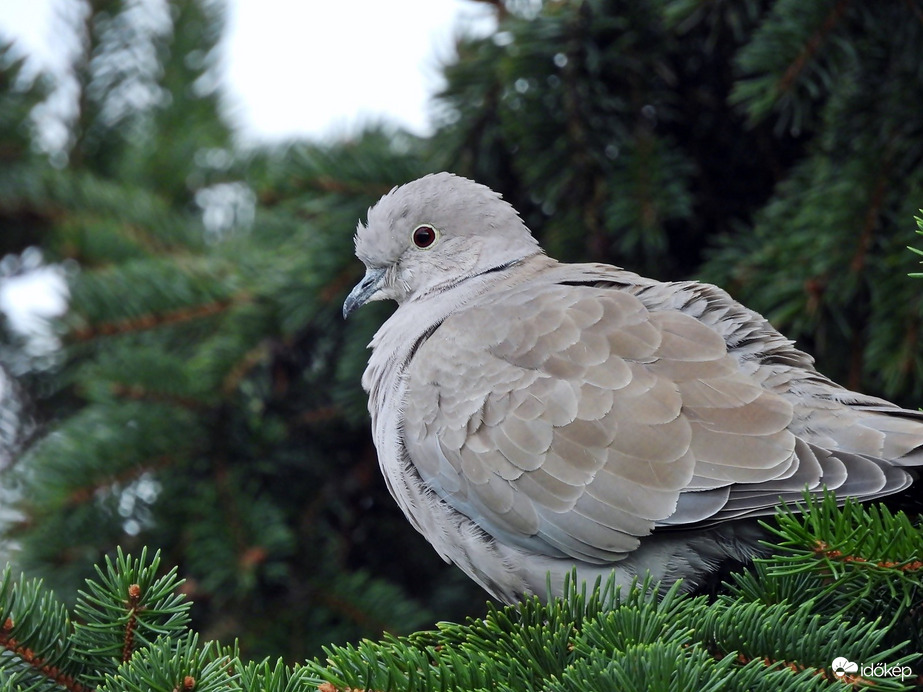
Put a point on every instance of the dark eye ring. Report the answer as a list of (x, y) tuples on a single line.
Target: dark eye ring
[(424, 235)]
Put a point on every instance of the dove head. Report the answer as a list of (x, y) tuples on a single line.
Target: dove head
[(432, 234)]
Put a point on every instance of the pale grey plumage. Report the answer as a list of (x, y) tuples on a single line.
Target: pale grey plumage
[(531, 416)]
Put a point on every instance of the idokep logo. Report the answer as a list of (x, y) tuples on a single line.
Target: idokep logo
[(842, 666)]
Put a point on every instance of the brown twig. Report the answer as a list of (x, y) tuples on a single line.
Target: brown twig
[(871, 219), (811, 47), (326, 183), (85, 493), (153, 320), (911, 340), (8, 642), (128, 645), (352, 612), (343, 280), (852, 680), (588, 181), (136, 392), (857, 346), (822, 549), (320, 415), (330, 687), (243, 366)]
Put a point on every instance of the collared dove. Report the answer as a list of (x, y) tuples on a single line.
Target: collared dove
[(532, 416)]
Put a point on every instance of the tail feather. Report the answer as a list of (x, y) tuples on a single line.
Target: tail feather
[(902, 430), (846, 474)]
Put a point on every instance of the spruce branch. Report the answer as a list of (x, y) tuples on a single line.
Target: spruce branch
[(275, 676), (778, 628), (871, 220), (244, 365), (35, 634), (853, 540), (917, 251), (318, 181), (322, 414), (8, 642), (86, 493), (325, 183), (155, 320), (137, 392), (857, 266), (587, 183), (811, 47), (773, 630), (125, 609), (178, 664), (134, 597)]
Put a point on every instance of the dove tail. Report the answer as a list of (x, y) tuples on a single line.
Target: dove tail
[(902, 430)]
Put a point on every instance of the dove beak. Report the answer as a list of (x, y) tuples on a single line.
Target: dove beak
[(364, 290)]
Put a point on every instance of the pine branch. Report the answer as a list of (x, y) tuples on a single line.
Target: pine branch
[(811, 47), (154, 320), (852, 541), (347, 187), (917, 251), (82, 494), (125, 610), (134, 597), (779, 627), (321, 415), (35, 633), (135, 392), (587, 179), (824, 552), (8, 642), (240, 370)]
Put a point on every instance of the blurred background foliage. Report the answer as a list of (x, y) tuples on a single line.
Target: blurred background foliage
[(201, 393)]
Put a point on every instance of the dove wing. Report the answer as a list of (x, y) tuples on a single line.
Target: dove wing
[(571, 420)]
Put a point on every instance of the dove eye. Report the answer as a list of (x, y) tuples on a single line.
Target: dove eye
[(424, 236)]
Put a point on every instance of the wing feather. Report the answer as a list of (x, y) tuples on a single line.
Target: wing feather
[(575, 420)]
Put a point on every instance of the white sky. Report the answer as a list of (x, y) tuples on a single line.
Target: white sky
[(32, 298), (308, 67)]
